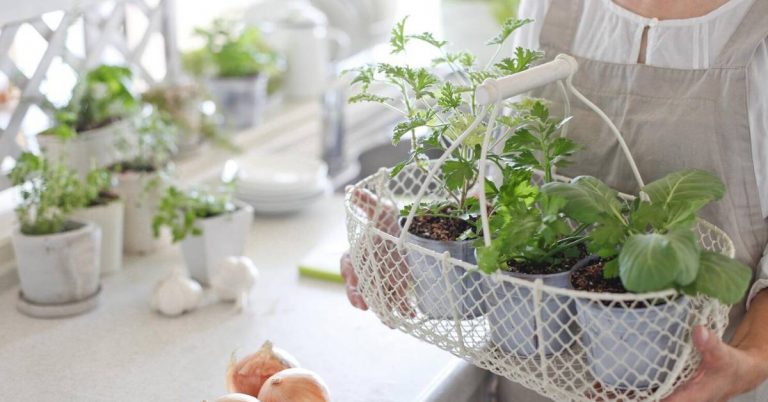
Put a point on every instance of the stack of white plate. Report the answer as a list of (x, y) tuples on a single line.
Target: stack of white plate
[(281, 184)]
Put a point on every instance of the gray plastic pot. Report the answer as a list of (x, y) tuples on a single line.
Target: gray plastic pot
[(632, 348), (512, 314), (240, 100), (60, 268), (461, 295)]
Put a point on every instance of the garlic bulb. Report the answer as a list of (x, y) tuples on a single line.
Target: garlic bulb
[(233, 279), (176, 295)]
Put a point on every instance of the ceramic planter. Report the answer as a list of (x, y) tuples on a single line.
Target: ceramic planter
[(109, 218), (60, 268), (223, 236), (90, 149), (632, 348), (240, 101), (444, 295), (141, 193)]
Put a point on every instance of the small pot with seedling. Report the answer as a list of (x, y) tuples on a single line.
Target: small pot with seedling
[(141, 178), (646, 245), (236, 64), (186, 106), (98, 116), (105, 209), (437, 110), (57, 258), (211, 226), (531, 238)]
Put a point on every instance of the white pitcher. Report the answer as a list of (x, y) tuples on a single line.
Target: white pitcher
[(301, 32)]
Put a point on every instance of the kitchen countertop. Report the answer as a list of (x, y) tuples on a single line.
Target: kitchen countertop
[(124, 351)]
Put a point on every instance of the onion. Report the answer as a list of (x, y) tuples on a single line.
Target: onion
[(236, 398), (294, 385), (249, 374)]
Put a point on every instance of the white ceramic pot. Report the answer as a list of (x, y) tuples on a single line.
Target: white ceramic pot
[(109, 218), (90, 149), (240, 100), (223, 236), (60, 268), (141, 193)]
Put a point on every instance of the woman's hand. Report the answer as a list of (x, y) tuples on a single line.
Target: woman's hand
[(392, 264), (725, 371)]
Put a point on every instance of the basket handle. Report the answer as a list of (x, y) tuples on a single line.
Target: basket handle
[(491, 93)]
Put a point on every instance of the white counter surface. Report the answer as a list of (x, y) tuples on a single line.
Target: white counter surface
[(124, 352)]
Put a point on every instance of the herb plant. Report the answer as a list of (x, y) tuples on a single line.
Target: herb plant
[(153, 145), (97, 188), (182, 106), (437, 109), (651, 245), (179, 211), (231, 50), (528, 227), (102, 97), (49, 194)]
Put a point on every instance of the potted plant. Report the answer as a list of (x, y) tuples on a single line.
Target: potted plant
[(531, 237), (646, 245), (211, 226), (185, 105), (141, 176), (104, 208), (97, 116), (236, 64), (437, 110), (57, 258)]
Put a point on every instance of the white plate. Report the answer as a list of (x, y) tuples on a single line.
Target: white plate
[(309, 191), (259, 196), (282, 207), (282, 174)]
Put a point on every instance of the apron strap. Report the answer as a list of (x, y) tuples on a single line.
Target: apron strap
[(752, 31), (560, 25)]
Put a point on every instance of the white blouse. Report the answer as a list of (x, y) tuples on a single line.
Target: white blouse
[(692, 43)]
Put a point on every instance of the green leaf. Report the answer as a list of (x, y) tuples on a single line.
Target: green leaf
[(488, 259), (720, 277), (611, 269), (449, 97), (521, 62), (683, 193), (457, 174), (653, 262), (367, 97), (510, 26), (429, 38), (398, 40), (420, 119), (589, 199)]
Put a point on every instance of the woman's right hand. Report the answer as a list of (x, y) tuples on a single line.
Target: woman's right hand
[(393, 265)]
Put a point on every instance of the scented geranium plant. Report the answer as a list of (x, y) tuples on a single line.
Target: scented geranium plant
[(437, 109), (651, 244)]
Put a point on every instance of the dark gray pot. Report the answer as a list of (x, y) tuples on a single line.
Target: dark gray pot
[(632, 348), (462, 295)]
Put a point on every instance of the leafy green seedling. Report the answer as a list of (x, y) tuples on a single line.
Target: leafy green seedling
[(652, 245)]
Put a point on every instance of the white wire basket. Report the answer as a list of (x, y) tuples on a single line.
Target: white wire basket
[(565, 344)]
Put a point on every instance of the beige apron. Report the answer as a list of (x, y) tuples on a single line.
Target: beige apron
[(671, 119)]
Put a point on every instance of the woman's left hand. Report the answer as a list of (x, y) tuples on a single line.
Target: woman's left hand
[(725, 371)]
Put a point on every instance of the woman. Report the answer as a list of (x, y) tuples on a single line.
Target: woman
[(686, 82)]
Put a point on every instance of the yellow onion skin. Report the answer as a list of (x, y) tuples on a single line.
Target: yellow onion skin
[(236, 398), (294, 385), (249, 374)]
